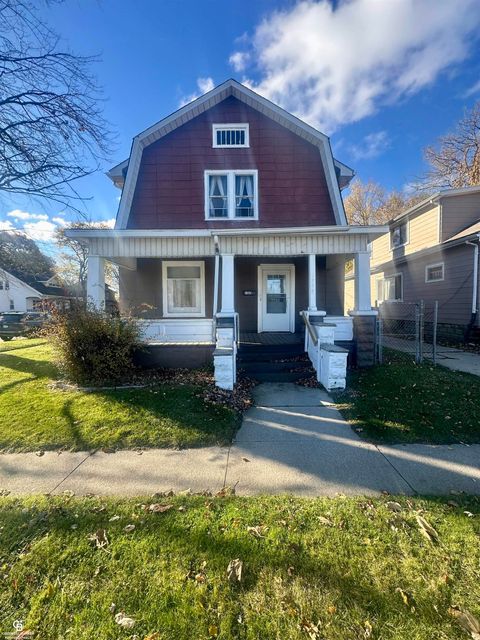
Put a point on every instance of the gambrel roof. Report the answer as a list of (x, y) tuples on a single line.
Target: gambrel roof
[(125, 174)]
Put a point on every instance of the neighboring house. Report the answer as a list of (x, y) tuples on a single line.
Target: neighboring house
[(231, 214), (431, 253), (17, 295)]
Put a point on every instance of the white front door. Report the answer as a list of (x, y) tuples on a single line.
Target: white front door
[(276, 298)]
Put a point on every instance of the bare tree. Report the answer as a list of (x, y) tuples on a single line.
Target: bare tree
[(364, 203), (73, 258), (455, 161), (369, 203), (51, 127)]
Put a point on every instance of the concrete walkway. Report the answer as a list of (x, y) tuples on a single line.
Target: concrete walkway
[(292, 441), (454, 359)]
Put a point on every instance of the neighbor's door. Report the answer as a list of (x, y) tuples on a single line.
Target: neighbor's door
[(276, 299)]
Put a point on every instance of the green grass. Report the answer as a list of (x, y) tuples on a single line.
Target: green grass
[(400, 402), (362, 572), (33, 416)]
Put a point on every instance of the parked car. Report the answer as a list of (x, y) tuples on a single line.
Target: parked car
[(14, 324)]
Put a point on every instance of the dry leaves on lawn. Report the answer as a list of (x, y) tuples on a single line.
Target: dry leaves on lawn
[(235, 571), (99, 538), (467, 621), (426, 529), (129, 528), (258, 531), (310, 629), (124, 621), (159, 508)]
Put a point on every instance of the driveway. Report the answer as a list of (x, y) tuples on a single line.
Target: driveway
[(293, 441)]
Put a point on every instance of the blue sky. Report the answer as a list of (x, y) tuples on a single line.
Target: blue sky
[(384, 78)]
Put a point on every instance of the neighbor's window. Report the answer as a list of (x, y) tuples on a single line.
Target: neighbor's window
[(390, 288), (231, 194), (399, 236), (183, 289), (434, 272), (230, 135), (1, 285), (7, 285), (12, 305)]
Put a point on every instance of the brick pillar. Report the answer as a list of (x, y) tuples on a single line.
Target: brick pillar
[(365, 337)]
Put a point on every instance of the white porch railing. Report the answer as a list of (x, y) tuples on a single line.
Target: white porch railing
[(328, 359)]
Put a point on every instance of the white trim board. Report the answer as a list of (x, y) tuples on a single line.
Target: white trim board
[(215, 96)]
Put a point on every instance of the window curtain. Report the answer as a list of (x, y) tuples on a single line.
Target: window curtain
[(217, 193), (245, 195)]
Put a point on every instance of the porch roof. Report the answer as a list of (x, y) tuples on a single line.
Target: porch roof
[(167, 243)]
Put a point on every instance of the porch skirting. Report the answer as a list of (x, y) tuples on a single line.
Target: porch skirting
[(175, 356)]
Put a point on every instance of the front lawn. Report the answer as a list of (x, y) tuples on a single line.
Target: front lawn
[(33, 416), (400, 401), (322, 569)]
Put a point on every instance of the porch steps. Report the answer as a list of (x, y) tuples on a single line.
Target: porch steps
[(273, 363)]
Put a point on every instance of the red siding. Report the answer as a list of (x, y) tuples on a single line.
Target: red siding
[(291, 181)]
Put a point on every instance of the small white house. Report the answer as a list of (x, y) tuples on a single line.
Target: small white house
[(17, 295)]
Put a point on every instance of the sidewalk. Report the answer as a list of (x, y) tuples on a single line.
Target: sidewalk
[(292, 441), (454, 359)]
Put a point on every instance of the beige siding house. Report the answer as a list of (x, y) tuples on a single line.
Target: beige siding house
[(431, 253)]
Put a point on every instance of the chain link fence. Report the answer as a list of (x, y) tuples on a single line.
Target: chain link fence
[(409, 328)]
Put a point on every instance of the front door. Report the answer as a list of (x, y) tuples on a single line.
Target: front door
[(276, 299)]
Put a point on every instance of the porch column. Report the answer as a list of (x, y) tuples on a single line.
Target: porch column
[(312, 282), (96, 282), (228, 284), (362, 282)]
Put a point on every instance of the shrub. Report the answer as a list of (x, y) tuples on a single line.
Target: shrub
[(93, 348)]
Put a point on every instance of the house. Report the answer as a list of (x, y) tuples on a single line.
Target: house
[(430, 253), (17, 295), (34, 295), (230, 225)]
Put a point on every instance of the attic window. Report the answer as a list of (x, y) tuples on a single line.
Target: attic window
[(230, 135)]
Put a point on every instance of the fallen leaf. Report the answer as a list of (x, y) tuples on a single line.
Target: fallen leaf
[(325, 521), (245, 459), (368, 629), (310, 629), (100, 538), (226, 491), (258, 531), (332, 609), (426, 529), (129, 528), (114, 518), (160, 508), (213, 631), (469, 514), (467, 621), (235, 570), (40, 453), (124, 621), (394, 506), (403, 595)]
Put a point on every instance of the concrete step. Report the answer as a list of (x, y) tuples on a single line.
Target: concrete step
[(251, 368)]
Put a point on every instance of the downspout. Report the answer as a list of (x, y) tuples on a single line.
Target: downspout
[(473, 319), (215, 280)]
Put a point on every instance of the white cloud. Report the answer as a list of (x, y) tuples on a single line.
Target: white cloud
[(6, 225), (204, 85), (60, 221), (332, 65), (372, 145), (110, 222), (41, 231), (239, 60), (473, 90), (18, 214)]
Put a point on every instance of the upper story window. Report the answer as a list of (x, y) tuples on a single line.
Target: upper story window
[(399, 236), (434, 272), (230, 135), (231, 194)]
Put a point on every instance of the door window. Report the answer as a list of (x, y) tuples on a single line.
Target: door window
[(276, 295)]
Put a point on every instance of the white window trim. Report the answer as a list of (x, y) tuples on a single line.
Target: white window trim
[(231, 193), (183, 263), (233, 125), (404, 244), (431, 266)]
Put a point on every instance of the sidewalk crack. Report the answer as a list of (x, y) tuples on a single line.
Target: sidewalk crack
[(415, 492), (90, 454)]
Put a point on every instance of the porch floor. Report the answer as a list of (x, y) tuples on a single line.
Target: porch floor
[(280, 338)]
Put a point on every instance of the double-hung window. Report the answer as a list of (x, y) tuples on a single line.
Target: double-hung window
[(399, 236), (183, 289), (231, 194), (390, 288)]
